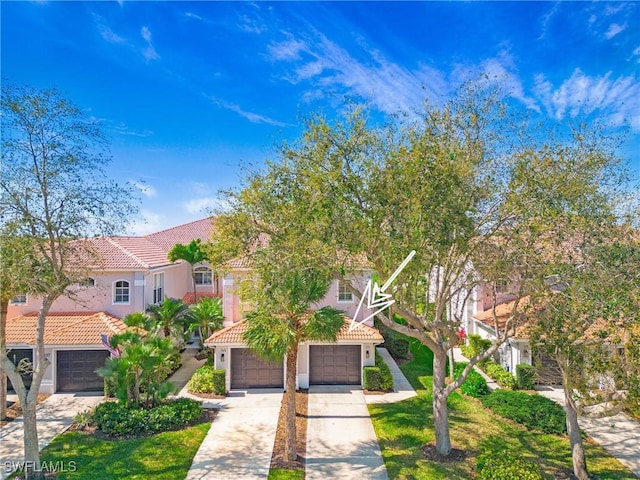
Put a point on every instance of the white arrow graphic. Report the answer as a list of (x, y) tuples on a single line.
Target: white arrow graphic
[(376, 296)]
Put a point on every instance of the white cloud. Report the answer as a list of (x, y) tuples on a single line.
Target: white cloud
[(614, 29), (287, 50), (149, 52), (251, 25), (616, 99), (193, 15), (200, 205), (109, 35), (122, 129), (147, 222), (147, 190), (251, 116)]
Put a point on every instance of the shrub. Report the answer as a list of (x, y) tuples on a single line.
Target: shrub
[(372, 378), (506, 466), (499, 374), (378, 378), (202, 380), (525, 376), (118, 420), (84, 419), (474, 385), (398, 347), (478, 344), (219, 381), (535, 412), (386, 379)]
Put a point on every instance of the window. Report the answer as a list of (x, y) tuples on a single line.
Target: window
[(121, 291), (19, 299), (158, 287), (344, 294), (204, 276), (87, 283)]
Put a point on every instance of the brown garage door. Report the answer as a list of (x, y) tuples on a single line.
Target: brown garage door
[(16, 355), (76, 370), (334, 364), (249, 371)]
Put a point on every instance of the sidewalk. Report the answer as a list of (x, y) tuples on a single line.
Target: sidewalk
[(619, 435), (54, 416), (240, 441), (402, 389), (181, 377)]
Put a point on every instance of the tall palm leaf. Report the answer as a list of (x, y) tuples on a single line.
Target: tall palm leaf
[(282, 320), (206, 316), (192, 254), (170, 317)]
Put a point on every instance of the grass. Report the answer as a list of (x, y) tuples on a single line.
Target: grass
[(164, 456), (285, 474), (403, 427)]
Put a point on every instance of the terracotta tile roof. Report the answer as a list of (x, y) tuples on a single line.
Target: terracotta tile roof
[(504, 312), (202, 229), (65, 328), (234, 333), (140, 253), (189, 298)]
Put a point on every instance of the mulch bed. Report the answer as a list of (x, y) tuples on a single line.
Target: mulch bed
[(430, 453), (279, 457), (15, 410)]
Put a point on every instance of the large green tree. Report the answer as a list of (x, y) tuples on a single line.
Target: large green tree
[(53, 193), (350, 196), (583, 270)]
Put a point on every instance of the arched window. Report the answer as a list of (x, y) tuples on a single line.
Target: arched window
[(121, 291), (204, 276)]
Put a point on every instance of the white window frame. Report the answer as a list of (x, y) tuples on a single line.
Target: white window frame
[(203, 271), (158, 287), (343, 286), (19, 299), (115, 292), (502, 286)]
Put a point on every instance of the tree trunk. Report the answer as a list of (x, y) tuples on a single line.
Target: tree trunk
[(3, 394), (440, 410), (573, 430), (31, 449), (290, 410)]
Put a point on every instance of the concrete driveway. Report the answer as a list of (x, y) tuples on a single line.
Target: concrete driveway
[(240, 441), (341, 442)]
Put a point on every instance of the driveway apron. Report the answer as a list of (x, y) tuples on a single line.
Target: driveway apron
[(240, 441), (341, 442)]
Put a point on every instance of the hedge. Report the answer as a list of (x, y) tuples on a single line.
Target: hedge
[(219, 381), (499, 374), (207, 379), (118, 420), (534, 411), (507, 465), (378, 378), (525, 376), (202, 380), (474, 385), (398, 347)]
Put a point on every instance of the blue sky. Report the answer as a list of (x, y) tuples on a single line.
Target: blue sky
[(190, 91)]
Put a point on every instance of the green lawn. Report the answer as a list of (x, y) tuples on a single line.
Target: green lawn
[(403, 427), (164, 456), (285, 474)]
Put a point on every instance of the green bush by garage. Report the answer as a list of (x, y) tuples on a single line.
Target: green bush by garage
[(207, 379), (378, 378)]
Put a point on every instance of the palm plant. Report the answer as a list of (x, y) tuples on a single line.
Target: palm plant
[(192, 254), (206, 317), (171, 318), (282, 320)]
